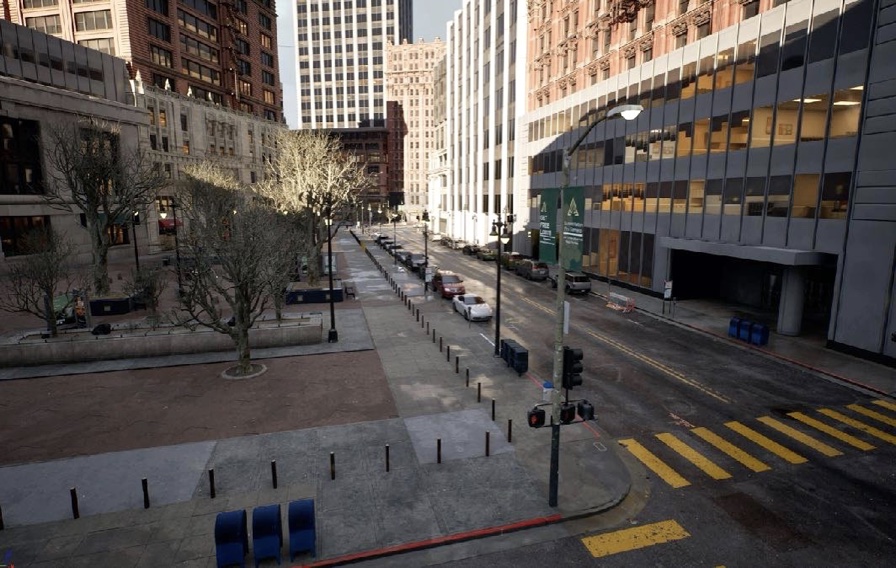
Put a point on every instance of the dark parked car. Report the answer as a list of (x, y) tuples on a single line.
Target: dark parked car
[(485, 253), (416, 261), (532, 269), (509, 260), (470, 249), (402, 256)]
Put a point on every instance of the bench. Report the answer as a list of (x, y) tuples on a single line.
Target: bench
[(620, 303)]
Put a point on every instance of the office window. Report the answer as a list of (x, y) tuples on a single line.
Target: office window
[(19, 157), (183, 122), (268, 59), (160, 6), (245, 88), (202, 6), (846, 112), (835, 195), (46, 24), (267, 78), (751, 9), (89, 21), (159, 30), (40, 3), (163, 118), (199, 49), (106, 44), (266, 41), (244, 66), (160, 56), (269, 97), (264, 20), (197, 26), (15, 230)]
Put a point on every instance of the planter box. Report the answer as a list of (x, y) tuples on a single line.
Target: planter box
[(301, 293), (110, 306)]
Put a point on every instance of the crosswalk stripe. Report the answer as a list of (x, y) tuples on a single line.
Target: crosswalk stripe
[(886, 404), (800, 437), (859, 425), (831, 431), (724, 445), (693, 456), (634, 538), (655, 464), (871, 414), (770, 445)]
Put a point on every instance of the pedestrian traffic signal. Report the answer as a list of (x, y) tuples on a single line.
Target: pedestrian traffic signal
[(572, 367), (586, 410), (567, 412), (535, 417)]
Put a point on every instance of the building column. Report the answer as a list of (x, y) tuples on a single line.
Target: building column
[(790, 308)]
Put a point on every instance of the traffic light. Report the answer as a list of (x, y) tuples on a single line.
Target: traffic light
[(535, 417), (567, 412), (572, 367), (586, 410)]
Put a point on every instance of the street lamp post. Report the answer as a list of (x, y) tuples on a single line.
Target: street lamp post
[(333, 335), (502, 231), (134, 222), (395, 238), (475, 236), (369, 217), (626, 112), (163, 214)]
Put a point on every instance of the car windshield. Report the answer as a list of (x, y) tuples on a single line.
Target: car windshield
[(451, 279), (471, 300)]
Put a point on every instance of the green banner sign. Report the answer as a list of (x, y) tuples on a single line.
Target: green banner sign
[(547, 226), (573, 211)]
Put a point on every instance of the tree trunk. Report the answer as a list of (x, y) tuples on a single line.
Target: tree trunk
[(50, 315), (244, 365), (100, 263)]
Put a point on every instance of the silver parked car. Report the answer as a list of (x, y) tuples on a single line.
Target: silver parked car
[(576, 282), (532, 269)]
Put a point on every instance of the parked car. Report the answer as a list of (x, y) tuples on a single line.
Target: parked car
[(402, 256), (470, 249), (382, 237), (532, 269), (392, 247), (576, 283), (448, 284), (472, 307), (416, 261), (485, 253), (447, 241), (509, 260)]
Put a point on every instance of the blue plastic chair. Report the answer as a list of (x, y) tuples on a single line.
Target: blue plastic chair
[(267, 533), (302, 533), (231, 538)]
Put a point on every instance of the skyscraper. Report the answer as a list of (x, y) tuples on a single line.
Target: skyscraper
[(221, 52), (333, 59)]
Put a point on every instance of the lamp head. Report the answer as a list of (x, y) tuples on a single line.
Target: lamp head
[(505, 237), (494, 231), (627, 112)]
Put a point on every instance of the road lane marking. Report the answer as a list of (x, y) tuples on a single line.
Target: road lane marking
[(733, 451), (634, 538), (643, 358), (831, 431), (871, 414), (859, 425), (886, 404), (800, 437), (655, 464), (693, 456), (770, 445)]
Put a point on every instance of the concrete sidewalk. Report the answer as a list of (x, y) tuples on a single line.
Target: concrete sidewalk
[(366, 510)]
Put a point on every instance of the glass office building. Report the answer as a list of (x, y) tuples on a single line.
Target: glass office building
[(756, 174)]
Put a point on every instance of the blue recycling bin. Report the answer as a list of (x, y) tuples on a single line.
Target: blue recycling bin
[(743, 330), (732, 326), (508, 348), (520, 359), (759, 334)]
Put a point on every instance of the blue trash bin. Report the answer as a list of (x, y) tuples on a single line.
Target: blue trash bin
[(732, 326), (743, 330), (759, 334)]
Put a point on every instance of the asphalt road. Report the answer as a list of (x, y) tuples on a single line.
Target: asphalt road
[(738, 459)]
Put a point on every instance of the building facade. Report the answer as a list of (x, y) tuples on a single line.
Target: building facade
[(438, 173), (224, 52), (758, 172), (410, 84), (333, 59), (486, 56)]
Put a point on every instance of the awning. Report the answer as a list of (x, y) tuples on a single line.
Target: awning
[(168, 224), (787, 257)]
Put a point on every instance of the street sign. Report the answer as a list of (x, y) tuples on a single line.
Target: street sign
[(667, 290)]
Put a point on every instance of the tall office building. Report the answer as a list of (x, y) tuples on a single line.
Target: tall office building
[(759, 172), (223, 52), (333, 59), (486, 57), (410, 84)]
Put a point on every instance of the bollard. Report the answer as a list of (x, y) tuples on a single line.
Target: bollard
[(145, 493), (422, 321), (74, 495), (274, 473), (439, 450), (1, 519), (440, 344), (457, 365), (433, 334), (468, 377), (487, 443), (493, 410), (478, 392), (211, 483), (387, 457), (417, 312), (332, 466), (510, 430), (427, 328), (448, 353)]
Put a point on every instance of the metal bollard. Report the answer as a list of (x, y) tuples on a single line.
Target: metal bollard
[(468, 377), (417, 313), (448, 353), (433, 334), (387, 457), (457, 365), (332, 465), (422, 321), (487, 444), (2, 526), (145, 493), (439, 450), (440, 344), (478, 392), (510, 430), (211, 483), (493, 410), (74, 495), (274, 473)]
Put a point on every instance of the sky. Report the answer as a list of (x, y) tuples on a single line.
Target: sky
[(430, 17)]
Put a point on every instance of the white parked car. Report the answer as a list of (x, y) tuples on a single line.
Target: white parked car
[(472, 307)]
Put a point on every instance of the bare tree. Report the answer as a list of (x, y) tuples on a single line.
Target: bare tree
[(147, 285), (311, 173), (238, 249), (92, 174), (36, 278)]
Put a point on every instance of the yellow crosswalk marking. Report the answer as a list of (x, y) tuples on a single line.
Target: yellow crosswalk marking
[(859, 425), (831, 431), (871, 414), (634, 538), (743, 457), (770, 445), (800, 437), (693, 456), (655, 464), (886, 404)]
